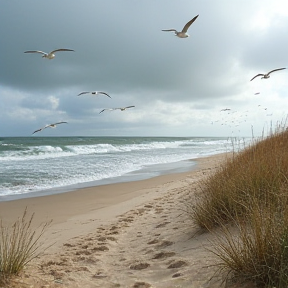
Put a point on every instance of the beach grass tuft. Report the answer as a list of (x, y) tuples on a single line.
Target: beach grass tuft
[(19, 244), (246, 199)]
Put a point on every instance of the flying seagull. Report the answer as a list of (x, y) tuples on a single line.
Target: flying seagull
[(121, 108), (266, 76), (94, 93), (49, 125), (183, 33), (225, 109), (49, 55)]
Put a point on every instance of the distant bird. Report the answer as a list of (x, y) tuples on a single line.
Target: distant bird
[(49, 125), (121, 108), (226, 109), (183, 33), (49, 55), (94, 93), (257, 93), (266, 76)]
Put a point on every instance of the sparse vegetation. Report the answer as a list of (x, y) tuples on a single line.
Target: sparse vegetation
[(247, 199), (19, 244)]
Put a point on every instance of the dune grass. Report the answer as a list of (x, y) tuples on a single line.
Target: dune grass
[(19, 244), (248, 199)]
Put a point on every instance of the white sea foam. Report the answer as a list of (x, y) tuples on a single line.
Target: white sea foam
[(29, 165)]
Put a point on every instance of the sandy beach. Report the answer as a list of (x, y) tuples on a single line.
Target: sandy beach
[(134, 234)]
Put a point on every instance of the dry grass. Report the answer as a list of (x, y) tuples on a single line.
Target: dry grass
[(248, 198), (19, 244), (256, 248)]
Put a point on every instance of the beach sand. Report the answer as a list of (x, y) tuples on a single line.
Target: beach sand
[(134, 234)]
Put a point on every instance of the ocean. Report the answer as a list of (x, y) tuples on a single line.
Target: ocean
[(33, 166)]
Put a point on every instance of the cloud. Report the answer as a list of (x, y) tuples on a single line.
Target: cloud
[(121, 49)]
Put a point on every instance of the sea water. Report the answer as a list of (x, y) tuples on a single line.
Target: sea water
[(57, 164)]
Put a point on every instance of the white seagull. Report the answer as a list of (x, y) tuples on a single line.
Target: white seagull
[(95, 93), (49, 55), (183, 33), (49, 125), (266, 76), (121, 108)]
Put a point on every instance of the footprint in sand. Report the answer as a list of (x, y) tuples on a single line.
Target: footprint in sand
[(163, 255), (141, 285), (115, 232), (154, 241), (100, 248), (111, 238), (162, 224), (83, 252), (101, 238), (165, 243), (178, 274), (177, 264), (128, 219), (68, 245), (139, 266)]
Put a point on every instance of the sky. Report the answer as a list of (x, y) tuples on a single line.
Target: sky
[(178, 85)]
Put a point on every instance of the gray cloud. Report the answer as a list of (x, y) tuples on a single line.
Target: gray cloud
[(120, 48)]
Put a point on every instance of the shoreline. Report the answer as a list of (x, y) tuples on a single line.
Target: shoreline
[(145, 173), (104, 234)]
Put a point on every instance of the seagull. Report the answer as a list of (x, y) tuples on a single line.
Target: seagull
[(94, 93), (266, 76), (183, 33), (121, 108), (49, 125), (226, 109), (49, 55)]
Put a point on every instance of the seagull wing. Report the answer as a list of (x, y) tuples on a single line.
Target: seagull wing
[(59, 123), (49, 125), (257, 76), (107, 109), (129, 107), (36, 51), (83, 93), (38, 130), (186, 27), (169, 30), (276, 70), (104, 93), (57, 50), (53, 125)]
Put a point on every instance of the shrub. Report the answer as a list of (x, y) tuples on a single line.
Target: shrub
[(255, 247), (19, 244)]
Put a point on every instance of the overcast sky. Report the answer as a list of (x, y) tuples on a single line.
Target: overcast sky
[(178, 86)]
